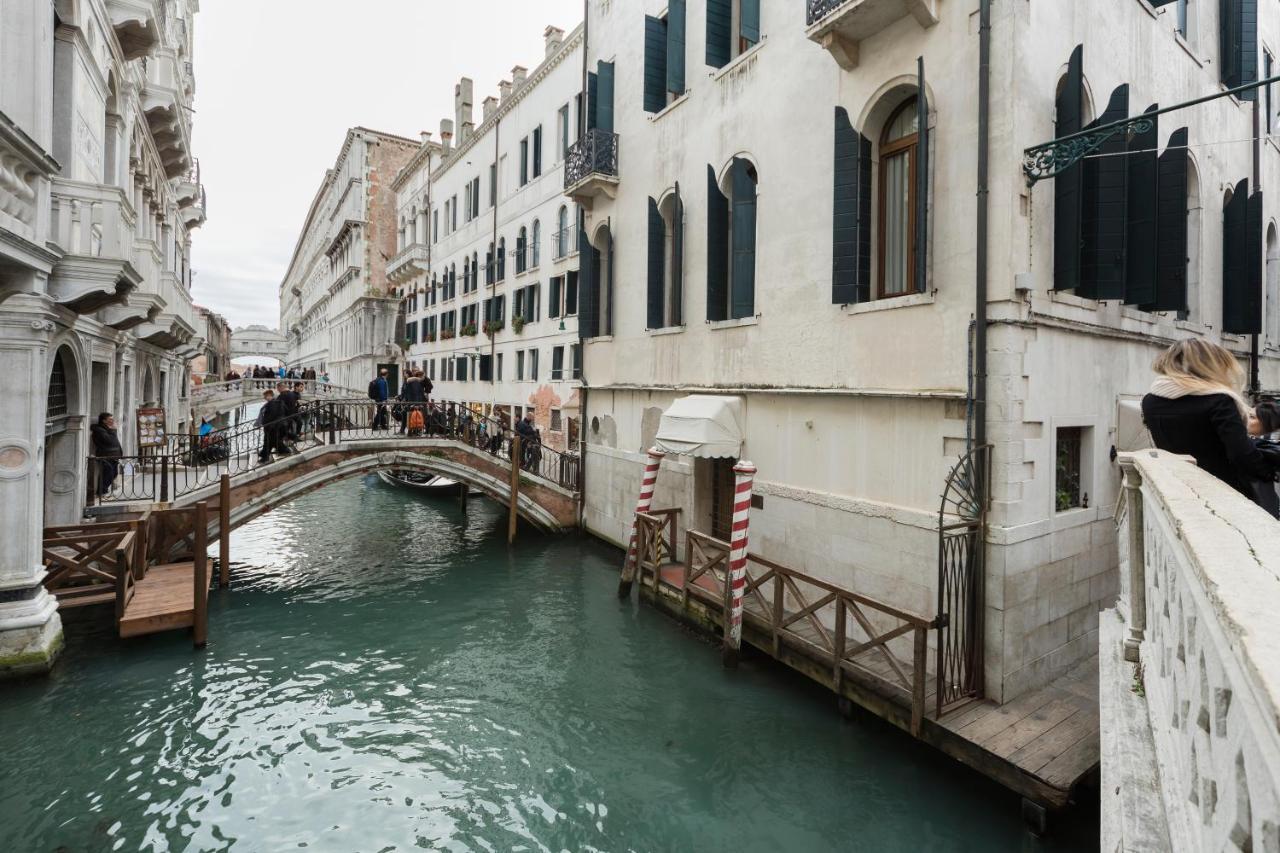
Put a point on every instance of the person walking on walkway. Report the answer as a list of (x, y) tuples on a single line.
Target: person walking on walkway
[(107, 450), (1195, 408), (379, 392), (528, 438), (413, 396)]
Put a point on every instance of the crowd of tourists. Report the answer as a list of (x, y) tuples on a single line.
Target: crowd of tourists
[(308, 374), (1196, 408)]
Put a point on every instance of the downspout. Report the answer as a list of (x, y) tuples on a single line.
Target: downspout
[(978, 669), (493, 261), (1254, 383), (582, 347)]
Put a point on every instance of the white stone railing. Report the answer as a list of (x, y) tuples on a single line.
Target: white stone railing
[(1196, 642)]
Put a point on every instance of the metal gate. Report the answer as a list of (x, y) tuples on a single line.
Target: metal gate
[(962, 525)]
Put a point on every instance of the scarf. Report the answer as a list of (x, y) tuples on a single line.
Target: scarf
[(1173, 389)]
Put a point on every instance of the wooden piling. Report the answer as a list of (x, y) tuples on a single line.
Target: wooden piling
[(200, 628), (224, 532), (515, 488), (462, 496)]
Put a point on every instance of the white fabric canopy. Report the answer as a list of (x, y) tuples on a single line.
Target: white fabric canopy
[(702, 425)]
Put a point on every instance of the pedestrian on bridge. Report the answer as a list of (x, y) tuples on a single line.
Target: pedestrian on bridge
[(379, 392), (107, 450), (413, 395)]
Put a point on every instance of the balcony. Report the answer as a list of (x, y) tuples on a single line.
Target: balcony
[(137, 309), (93, 226), (194, 211), (165, 107), (135, 26), (168, 331), (411, 261), (838, 26), (591, 167)]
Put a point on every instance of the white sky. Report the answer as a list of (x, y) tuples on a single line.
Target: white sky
[(278, 82)]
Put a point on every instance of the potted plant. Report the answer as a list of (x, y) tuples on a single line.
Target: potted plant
[(405, 344), (446, 334), (517, 323), (469, 330), (492, 327), (429, 338)]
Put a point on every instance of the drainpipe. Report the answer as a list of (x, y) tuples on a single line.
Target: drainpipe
[(493, 260), (980, 290), (582, 347), (1254, 384)]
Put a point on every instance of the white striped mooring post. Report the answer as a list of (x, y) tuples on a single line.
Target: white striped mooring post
[(642, 505), (744, 476)]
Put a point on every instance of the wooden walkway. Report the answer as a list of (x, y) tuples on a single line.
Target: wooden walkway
[(1039, 745)]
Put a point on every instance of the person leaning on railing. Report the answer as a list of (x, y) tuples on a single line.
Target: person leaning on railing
[(106, 450), (1195, 408)]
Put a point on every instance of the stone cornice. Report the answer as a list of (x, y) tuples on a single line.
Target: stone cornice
[(17, 140)]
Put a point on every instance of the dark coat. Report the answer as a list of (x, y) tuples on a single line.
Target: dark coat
[(290, 400), (412, 392), (274, 411), (106, 443), (1210, 429)]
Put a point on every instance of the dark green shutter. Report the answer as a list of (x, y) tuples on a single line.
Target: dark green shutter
[(604, 111), (744, 241), (489, 269), (657, 241), (675, 46), (922, 181), (1068, 185), (717, 250), (655, 64), (571, 293), (749, 20), (864, 219), (1106, 188), (589, 315), (1242, 262), (677, 261), (537, 154), (1143, 209), (844, 220), (719, 32), (1238, 44), (608, 295), (553, 310), (593, 97)]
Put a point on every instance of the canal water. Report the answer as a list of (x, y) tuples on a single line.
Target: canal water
[(386, 675)]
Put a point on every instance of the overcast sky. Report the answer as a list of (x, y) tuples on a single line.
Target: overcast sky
[(279, 82)]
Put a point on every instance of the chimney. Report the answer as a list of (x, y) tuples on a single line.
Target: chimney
[(555, 38), (518, 75), (504, 90), (462, 101), (489, 107), (468, 129), (446, 134), (426, 137)]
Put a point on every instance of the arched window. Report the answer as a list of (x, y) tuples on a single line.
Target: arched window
[(898, 148), (537, 244), (562, 232), (502, 258), (475, 270), (490, 270), (522, 248), (731, 241)]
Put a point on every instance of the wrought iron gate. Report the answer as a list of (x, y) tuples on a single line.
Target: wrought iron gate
[(962, 525)]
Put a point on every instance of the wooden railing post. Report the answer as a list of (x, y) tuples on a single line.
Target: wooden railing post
[(515, 487), (837, 645), (124, 576), (332, 428), (164, 479), (224, 531), (918, 676), (200, 630)]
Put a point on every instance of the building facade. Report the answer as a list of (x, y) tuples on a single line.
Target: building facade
[(215, 359), (336, 306), (259, 342), (487, 254), (99, 195), (781, 210)]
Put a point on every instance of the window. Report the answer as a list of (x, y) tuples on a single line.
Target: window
[(733, 28), (731, 243), (536, 248), (1268, 69), (557, 364), (533, 365), (664, 48), (522, 245), (524, 161), (556, 423), (571, 293), (666, 261), (446, 218), (519, 365), (435, 225), (502, 258), (1069, 490), (493, 184), (1238, 45), (411, 332), (897, 226), (562, 120), (555, 299), (475, 197), (576, 351), (453, 220), (537, 151), (499, 371), (562, 232)]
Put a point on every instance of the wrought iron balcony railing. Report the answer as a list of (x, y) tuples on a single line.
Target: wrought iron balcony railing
[(819, 9), (596, 153)]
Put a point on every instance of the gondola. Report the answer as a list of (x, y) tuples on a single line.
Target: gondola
[(432, 484)]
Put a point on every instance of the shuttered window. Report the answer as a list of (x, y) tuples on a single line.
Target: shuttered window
[(1105, 210), (571, 293), (524, 161), (593, 99), (604, 109), (589, 315), (748, 24), (717, 250), (1242, 262), (851, 220), (1069, 184), (553, 305), (537, 151), (1238, 44), (1144, 211), (657, 264), (502, 259), (675, 46), (655, 64), (719, 32), (676, 312), (743, 301)]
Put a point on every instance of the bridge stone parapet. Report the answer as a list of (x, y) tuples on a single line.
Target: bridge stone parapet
[(1190, 666)]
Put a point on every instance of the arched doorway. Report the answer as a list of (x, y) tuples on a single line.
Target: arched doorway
[(65, 442)]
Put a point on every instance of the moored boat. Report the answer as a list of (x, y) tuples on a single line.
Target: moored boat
[(432, 484)]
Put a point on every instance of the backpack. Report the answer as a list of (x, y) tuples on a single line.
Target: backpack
[(373, 390), (416, 423)]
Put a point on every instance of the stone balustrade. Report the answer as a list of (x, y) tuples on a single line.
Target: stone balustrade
[(1190, 666), (92, 220)]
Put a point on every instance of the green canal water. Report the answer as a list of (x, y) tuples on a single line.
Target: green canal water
[(387, 675)]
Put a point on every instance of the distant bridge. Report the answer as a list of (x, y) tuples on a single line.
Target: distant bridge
[(212, 398)]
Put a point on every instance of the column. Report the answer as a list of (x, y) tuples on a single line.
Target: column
[(30, 630)]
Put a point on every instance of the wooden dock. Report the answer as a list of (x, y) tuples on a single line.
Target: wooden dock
[(1040, 745)]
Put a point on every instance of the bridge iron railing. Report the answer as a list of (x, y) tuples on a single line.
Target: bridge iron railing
[(186, 464)]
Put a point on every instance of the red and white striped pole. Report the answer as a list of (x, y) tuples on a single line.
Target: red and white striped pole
[(744, 476), (642, 505)]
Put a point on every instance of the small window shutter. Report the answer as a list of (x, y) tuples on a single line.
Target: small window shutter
[(1106, 187), (675, 46), (844, 218), (744, 241), (922, 181), (1069, 184), (1234, 246), (604, 111), (1248, 47), (1143, 215), (589, 314), (719, 32), (553, 310), (657, 235), (655, 64), (593, 97), (571, 293), (677, 261), (557, 362), (749, 20), (1238, 44), (488, 266), (717, 250), (537, 152), (608, 294)]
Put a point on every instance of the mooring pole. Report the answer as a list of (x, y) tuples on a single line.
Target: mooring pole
[(462, 497), (745, 474), (515, 487), (643, 503), (200, 626), (224, 531)]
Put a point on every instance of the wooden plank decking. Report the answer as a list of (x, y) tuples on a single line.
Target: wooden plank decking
[(164, 600), (1040, 745)]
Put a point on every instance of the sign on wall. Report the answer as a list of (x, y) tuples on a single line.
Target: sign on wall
[(150, 427)]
